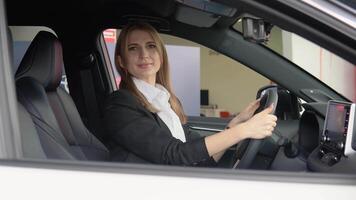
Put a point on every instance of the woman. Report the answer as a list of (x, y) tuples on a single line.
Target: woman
[(144, 118)]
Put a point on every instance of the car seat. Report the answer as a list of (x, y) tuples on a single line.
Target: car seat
[(61, 130), (30, 142)]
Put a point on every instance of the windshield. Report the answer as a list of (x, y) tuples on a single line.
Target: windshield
[(329, 68)]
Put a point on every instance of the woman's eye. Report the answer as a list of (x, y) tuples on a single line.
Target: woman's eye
[(132, 48), (151, 46)]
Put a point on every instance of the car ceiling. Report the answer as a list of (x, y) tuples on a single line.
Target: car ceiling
[(103, 11), (88, 18)]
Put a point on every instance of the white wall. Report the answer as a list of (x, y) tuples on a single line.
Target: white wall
[(231, 85), (326, 66), (185, 74)]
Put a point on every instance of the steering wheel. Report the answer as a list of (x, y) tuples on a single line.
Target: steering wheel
[(248, 149)]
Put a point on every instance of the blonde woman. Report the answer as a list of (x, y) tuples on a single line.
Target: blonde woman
[(145, 119)]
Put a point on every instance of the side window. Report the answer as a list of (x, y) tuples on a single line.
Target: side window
[(110, 36), (22, 37), (206, 82), (225, 86)]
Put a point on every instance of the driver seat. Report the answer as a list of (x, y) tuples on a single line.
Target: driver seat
[(53, 111)]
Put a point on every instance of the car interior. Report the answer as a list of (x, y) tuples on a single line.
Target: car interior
[(55, 124), (53, 111)]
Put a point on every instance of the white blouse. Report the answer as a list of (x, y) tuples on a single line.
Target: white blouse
[(158, 96)]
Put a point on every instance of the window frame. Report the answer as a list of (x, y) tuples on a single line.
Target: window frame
[(10, 139)]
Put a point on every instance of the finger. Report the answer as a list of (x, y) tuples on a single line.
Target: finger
[(272, 128), (269, 128), (271, 106), (256, 105), (274, 124), (269, 109), (254, 108), (254, 102), (271, 124), (257, 102), (266, 134), (272, 118)]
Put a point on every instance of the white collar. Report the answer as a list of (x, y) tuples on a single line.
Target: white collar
[(158, 96), (151, 92)]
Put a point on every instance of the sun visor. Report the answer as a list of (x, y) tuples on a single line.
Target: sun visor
[(202, 13)]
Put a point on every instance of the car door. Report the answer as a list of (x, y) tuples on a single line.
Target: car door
[(59, 179), (10, 146)]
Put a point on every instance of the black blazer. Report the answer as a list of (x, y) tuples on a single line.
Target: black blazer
[(137, 135)]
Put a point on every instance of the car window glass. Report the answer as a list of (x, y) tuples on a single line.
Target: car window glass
[(206, 82), (22, 37), (319, 62)]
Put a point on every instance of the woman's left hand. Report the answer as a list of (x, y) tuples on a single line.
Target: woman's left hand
[(246, 114)]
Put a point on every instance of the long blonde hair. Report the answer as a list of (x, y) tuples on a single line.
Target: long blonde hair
[(163, 76)]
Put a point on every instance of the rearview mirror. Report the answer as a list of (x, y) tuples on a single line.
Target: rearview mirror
[(255, 29)]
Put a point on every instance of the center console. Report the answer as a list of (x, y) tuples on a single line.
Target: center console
[(337, 142)]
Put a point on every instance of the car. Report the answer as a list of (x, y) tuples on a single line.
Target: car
[(299, 55)]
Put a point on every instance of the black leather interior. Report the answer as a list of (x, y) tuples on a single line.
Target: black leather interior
[(30, 141), (43, 61), (57, 121), (288, 105), (31, 145)]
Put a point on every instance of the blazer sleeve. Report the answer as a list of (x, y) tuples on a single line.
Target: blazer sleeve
[(192, 135), (140, 133)]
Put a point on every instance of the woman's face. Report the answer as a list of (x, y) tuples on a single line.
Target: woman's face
[(142, 59)]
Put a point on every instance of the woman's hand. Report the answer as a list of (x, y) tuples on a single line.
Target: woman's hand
[(246, 114), (257, 127), (260, 125)]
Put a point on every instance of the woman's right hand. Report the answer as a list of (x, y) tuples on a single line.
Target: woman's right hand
[(260, 125)]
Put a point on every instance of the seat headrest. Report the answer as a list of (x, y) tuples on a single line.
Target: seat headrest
[(43, 61)]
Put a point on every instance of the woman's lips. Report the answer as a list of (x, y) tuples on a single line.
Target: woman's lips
[(145, 65)]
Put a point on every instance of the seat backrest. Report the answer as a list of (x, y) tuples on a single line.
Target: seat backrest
[(51, 108), (30, 141)]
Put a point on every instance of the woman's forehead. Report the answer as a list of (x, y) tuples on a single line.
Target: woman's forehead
[(139, 36)]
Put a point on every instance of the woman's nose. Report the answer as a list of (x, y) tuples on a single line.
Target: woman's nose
[(144, 53)]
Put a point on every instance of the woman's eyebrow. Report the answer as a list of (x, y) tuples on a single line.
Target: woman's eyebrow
[(137, 44), (132, 44)]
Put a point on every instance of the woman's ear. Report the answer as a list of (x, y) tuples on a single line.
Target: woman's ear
[(119, 61), (120, 66)]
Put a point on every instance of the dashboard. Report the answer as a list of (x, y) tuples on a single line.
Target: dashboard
[(333, 149)]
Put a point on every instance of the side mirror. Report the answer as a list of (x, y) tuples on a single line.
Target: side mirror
[(255, 29)]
